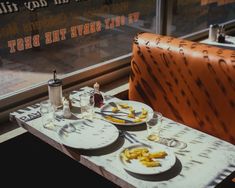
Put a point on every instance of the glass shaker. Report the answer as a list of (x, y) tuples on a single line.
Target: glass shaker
[(55, 91), (213, 32)]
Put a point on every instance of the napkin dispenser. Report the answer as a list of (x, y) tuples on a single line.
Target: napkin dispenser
[(55, 91)]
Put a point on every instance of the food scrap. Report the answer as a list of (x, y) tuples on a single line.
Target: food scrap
[(115, 120), (124, 105), (127, 113), (143, 114), (131, 115), (115, 109), (137, 120), (144, 111), (143, 155)]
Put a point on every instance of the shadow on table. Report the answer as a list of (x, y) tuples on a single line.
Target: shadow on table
[(139, 127), (105, 150), (114, 146), (167, 175)]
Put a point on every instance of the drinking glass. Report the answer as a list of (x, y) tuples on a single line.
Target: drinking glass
[(154, 124), (47, 113), (87, 105)]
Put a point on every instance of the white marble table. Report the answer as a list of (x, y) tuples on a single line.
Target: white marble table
[(205, 162), (230, 42)]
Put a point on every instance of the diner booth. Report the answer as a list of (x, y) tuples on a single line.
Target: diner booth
[(116, 93)]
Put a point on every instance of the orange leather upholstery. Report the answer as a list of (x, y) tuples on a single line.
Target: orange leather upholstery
[(186, 81)]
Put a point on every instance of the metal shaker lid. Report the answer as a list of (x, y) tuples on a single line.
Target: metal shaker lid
[(214, 26), (55, 82)]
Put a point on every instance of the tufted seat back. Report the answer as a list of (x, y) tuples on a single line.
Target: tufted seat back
[(189, 82)]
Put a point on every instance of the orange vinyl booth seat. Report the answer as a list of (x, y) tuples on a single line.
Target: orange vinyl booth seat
[(186, 81)]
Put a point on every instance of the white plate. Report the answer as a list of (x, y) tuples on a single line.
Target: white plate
[(88, 134), (137, 106), (136, 167)]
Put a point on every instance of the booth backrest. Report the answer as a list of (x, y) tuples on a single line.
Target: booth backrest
[(189, 82)]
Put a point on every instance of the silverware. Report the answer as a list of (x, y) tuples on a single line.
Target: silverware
[(122, 134), (70, 128), (87, 124), (105, 113), (131, 137), (115, 116), (121, 112)]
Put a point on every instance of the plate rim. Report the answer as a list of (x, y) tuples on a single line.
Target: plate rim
[(89, 148), (142, 145), (126, 124)]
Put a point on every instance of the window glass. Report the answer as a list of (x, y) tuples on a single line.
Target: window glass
[(37, 36), (189, 16)]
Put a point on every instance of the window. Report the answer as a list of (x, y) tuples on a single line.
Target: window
[(186, 17), (39, 36), (87, 39)]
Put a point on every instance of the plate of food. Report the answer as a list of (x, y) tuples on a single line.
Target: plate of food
[(88, 134), (147, 160), (126, 112)]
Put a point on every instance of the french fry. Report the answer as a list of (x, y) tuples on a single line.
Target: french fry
[(144, 111), (160, 154), (115, 109), (131, 109), (116, 120), (145, 158), (143, 155), (131, 115), (142, 116), (137, 120), (125, 158), (127, 153), (124, 105), (151, 163)]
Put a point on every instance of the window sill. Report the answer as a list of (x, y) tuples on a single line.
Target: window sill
[(10, 130)]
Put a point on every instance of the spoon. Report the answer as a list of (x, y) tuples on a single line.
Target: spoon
[(69, 128)]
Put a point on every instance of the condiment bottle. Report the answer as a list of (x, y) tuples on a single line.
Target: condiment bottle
[(55, 91), (213, 32), (98, 98), (66, 109), (221, 35)]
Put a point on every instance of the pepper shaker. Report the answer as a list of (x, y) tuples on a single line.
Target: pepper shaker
[(55, 91), (221, 35)]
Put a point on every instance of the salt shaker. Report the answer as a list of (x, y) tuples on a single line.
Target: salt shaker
[(66, 109), (213, 32), (55, 91)]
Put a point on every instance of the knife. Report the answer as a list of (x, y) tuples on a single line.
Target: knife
[(109, 113), (120, 113), (115, 116)]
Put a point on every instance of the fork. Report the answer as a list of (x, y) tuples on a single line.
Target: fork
[(132, 138), (113, 104)]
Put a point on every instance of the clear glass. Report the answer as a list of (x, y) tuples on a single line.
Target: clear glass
[(154, 132), (47, 112), (87, 105), (154, 125)]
